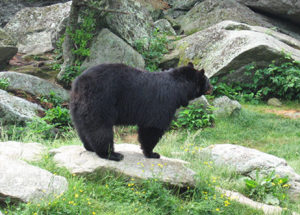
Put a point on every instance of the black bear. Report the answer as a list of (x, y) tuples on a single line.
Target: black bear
[(116, 94)]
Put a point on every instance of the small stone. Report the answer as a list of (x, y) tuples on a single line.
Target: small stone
[(225, 107), (274, 102)]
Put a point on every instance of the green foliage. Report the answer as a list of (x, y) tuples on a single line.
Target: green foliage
[(194, 117), (152, 49), (53, 99), (56, 119), (83, 35), (281, 81), (277, 80), (4, 83), (270, 189), (71, 72)]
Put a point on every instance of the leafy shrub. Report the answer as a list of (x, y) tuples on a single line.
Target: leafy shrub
[(71, 72), (58, 116), (152, 49), (4, 83), (270, 189), (53, 99), (282, 81), (83, 35), (194, 117), (276, 80)]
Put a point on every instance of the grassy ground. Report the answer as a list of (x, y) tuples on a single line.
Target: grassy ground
[(111, 194)]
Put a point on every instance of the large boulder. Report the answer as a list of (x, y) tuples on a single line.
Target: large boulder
[(33, 85), (180, 7), (288, 9), (134, 24), (15, 110), (23, 151), (20, 181), (79, 161), (164, 26), (227, 48), (108, 48), (211, 12), (8, 8), (247, 161), (7, 48), (33, 27)]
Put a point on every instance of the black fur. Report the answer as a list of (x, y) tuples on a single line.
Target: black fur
[(116, 94)]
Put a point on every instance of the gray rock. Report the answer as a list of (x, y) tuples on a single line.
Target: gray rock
[(33, 27), (164, 26), (225, 107), (79, 161), (108, 48), (15, 110), (7, 48), (288, 9), (247, 161), (274, 102), (33, 85), (211, 12), (132, 26), (26, 183), (8, 8), (179, 8), (267, 209), (23, 151), (226, 48)]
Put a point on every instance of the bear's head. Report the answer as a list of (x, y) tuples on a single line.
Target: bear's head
[(202, 82)]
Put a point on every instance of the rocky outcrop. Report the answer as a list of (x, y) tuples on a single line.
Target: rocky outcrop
[(20, 181), (211, 12), (15, 110), (134, 24), (108, 48), (288, 9), (33, 27), (79, 161), (33, 85), (178, 8), (224, 107), (164, 26), (22, 151), (7, 48), (247, 161), (226, 48)]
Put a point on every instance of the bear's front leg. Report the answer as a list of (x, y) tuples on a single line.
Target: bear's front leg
[(148, 138)]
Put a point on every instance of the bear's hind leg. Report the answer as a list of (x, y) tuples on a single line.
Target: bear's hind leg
[(101, 140), (148, 138), (84, 140)]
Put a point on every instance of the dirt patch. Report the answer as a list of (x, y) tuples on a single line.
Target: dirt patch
[(292, 114)]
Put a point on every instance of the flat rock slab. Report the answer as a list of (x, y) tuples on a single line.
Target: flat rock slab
[(26, 183), (23, 151), (79, 161), (247, 161)]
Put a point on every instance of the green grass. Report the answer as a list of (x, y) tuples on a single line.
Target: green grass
[(108, 193)]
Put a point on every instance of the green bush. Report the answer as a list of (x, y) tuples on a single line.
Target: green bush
[(58, 116), (193, 117), (281, 80), (152, 49), (270, 189), (4, 83)]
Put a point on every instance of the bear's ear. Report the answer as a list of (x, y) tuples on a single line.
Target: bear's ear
[(190, 64), (202, 71)]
